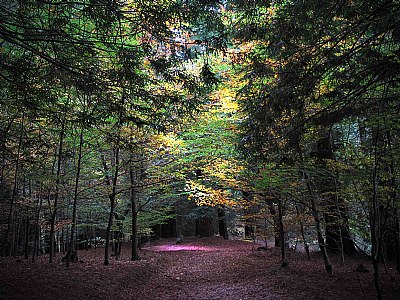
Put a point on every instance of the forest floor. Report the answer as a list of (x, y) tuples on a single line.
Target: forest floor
[(204, 268)]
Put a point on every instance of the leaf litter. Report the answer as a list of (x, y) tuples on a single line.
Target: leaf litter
[(199, 268)]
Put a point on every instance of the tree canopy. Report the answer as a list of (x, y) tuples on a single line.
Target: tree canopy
[(285, 112)]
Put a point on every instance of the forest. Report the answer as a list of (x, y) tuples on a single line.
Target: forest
[(272, 124)]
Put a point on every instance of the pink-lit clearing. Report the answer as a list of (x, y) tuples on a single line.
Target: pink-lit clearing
[(174, 247)]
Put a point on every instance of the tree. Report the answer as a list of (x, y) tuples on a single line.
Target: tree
[(208, 159), (133, 61), (318, 67)]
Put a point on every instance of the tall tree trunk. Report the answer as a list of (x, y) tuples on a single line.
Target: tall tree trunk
[(391, 218), (320, 236), (71, 247), (284, 261), (222, 227), (37, 227), (111, 196), (56, 194), (25, 223), (134, 212), (397, 242), (321, 240), (3, 141), (94, 237), (375, 222), (303, 235), (275, 216), (26, 237), (337, 230), (15, 188), (324, 151), (15, 238), (64, 238)]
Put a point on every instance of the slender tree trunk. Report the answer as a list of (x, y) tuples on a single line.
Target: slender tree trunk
[(71, 247), (321, 241), (15, 188), (111, 196), (222, 227), (119, 244), (375, 223), (94, 237), (337, 230), (14, 237), (37, 228), (134, 250), (3, 140), (26, 237), (17, 236), (113, 242), (87, 236), (275, 216), (284, 261), (63, 239), (301, 158), (397, 242), (25, 223), (320, 236), (303, 235), (3, 183), (56, 194), (324, 151), (391, 228)]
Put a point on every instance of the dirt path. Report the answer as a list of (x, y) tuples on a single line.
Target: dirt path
[(207, 268)]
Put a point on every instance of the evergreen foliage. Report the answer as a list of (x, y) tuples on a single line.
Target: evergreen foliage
[(286, 111)]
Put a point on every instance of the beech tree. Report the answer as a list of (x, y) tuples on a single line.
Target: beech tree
[(96, 96), (130, 59)]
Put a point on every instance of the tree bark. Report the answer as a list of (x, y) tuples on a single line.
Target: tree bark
[(275, 216), (336, 229), (134, 212), (397, 243), (14, 190), (56, 194), (303, 235), (111, 196), (321, 241), (71, 247), (26, 237), (320, 236), (15, 239), (37, 228), (376, 222), (284, 261), (222, 227)]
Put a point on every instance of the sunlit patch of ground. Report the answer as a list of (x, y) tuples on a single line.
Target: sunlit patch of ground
[(179, 247)]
